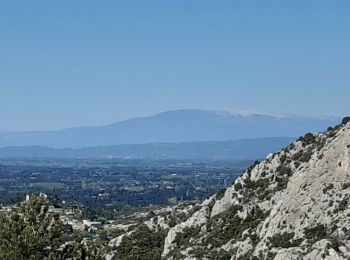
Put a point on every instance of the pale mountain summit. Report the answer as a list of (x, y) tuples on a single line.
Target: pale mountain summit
[(187, 125)]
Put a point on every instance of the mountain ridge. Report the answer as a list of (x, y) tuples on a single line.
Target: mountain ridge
[(244, 149), (292, 205), (171, 126)]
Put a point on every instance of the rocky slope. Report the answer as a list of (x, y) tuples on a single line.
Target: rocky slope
[(293, 205)]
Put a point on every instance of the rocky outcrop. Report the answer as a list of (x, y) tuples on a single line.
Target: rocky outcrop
[(292, 205)]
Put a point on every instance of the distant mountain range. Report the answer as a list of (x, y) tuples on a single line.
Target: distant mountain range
[(171, 127), (245, 149)]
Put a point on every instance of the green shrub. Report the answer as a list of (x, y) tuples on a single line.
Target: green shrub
[(238, 186), (282, 183), (346, 120), (342, 206), (284, 240), (327, 188), (297, 164), (307, 139), (143, 244), (172, 222), (220, 254), (259, 184), (183, 238), (302, 156), (316, 233), (283, 158), (220, 194), (284, 170), (250, 168), (345, 186), (228, 225)]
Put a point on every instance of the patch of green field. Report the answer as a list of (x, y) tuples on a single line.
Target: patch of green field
[(47, 185)]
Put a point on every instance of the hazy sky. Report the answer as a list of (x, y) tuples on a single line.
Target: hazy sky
[(69, 63)]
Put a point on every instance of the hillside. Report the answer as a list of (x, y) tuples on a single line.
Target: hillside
[(171, 127), (292, 205), (245, 149)]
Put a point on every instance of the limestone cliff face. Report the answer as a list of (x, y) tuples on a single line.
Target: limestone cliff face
[(293, 205)]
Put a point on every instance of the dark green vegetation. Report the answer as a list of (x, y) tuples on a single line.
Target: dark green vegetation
[(142, 244), (114, 187), (285, 240), (33, 232), (316, 233), (302, 156), (228, 225), (27, 236), (345, 120), (221, 229)]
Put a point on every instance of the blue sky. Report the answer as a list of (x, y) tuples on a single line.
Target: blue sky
[(71, 63)]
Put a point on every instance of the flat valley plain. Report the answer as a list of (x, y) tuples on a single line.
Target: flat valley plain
[(115, 188)]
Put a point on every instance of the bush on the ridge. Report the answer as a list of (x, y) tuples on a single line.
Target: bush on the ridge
[(316, 233), (142, 244), (346, 120)]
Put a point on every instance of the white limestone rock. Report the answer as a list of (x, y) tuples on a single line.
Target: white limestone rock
[(293, 205)]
